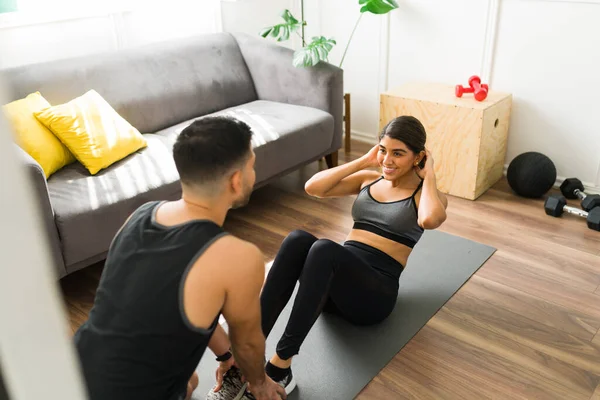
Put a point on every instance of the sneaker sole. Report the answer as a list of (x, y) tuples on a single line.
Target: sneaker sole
[(291, 386), (241, 392)]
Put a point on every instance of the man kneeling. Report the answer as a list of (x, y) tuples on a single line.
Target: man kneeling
[(171, 271)]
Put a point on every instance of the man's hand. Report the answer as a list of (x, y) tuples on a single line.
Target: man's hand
[(224, 366), (267, 390)]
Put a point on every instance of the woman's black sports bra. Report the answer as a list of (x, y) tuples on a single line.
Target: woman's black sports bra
[(395, 220)]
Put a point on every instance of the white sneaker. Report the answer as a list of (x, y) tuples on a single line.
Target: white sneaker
[(233, 388)]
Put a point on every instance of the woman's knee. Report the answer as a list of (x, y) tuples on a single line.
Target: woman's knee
[(299, 237), (323, 249), (299, 234), (324, 246)]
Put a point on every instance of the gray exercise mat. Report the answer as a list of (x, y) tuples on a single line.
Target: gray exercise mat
[(337, 359)]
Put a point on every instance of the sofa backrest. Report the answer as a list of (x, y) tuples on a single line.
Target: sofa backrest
[(153, 86)]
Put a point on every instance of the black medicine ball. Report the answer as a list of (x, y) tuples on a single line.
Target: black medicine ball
[(531, 174)]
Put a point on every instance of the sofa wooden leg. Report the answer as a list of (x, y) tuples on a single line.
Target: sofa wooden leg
[(332, 159), (347, 119)]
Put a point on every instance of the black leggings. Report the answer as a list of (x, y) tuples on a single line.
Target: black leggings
[(333, 278)]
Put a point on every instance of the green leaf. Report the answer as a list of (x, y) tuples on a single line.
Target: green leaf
[(282, 32), (316, 51), (289, 18), (378, 6)]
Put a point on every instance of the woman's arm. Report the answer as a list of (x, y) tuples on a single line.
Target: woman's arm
[(345, 179), (432, 203)]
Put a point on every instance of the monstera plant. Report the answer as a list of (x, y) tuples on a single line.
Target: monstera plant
[(318, 49)]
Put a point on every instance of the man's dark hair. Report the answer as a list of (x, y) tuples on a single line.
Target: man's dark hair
[(209, 148)]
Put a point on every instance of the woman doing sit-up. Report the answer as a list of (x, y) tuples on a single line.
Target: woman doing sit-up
[(358, 280)]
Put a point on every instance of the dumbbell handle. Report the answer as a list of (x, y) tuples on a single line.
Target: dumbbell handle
[(576, 211), (580, 194)]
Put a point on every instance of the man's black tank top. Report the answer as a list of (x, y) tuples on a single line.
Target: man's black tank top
[(137, 342)]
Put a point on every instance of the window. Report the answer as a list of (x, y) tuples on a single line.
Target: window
[(28, 12), (35, 6), (8, 6)]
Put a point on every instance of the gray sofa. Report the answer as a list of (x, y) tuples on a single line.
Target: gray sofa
[(295, 113)]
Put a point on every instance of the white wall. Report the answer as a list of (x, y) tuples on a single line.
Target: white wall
[(29, 38), (362, 62), (544, 52), (251, 16), (554, 73)]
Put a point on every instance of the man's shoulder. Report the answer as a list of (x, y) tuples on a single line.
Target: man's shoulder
[(141, 212), (230, 257), (232, 247)]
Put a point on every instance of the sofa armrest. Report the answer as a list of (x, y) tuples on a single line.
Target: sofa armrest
[(276, 79), (40, 190)]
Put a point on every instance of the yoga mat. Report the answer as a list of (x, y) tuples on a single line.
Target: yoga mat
[(337, 359)]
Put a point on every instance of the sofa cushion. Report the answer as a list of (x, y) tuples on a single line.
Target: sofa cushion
[(152, 86), (33, 137), (285, 135), (94, 133), (89, 210)]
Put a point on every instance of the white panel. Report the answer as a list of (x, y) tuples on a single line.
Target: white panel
[(547, 56), (437, 40), (38, 357), (431, 40), (37, 43), (361, 64), (312, 16), (251, 16)]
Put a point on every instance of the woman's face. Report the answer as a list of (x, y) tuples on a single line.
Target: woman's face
[(395, 158)]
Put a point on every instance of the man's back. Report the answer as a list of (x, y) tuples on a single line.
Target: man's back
[(138, 342)]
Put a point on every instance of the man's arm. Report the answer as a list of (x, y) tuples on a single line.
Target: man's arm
[(219, 342), (242, 313)]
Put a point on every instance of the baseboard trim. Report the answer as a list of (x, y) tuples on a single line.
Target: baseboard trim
[(371, 139), (364, 137), (590, 188)]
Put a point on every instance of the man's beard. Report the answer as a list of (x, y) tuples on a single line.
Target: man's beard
[(244, 200)]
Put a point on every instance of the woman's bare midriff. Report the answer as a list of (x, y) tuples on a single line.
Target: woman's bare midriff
[(397, 251)]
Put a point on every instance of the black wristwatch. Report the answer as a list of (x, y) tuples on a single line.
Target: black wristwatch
[(224, 357)]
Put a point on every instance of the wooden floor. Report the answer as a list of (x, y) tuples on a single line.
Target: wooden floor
[(526, 326)]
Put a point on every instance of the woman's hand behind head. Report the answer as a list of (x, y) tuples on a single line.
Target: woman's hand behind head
[(428, 168), (370, 158)]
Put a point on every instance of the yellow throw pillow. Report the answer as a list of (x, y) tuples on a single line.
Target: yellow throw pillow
[(92, 130), (34, 137)]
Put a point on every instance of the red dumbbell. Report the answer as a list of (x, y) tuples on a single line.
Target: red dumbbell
[(480, 91), (460, 90), (475, 87)]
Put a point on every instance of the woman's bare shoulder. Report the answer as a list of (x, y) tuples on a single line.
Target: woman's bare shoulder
[(368, 177)]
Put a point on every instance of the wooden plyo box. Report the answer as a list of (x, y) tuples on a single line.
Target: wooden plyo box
[(467, 138)]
